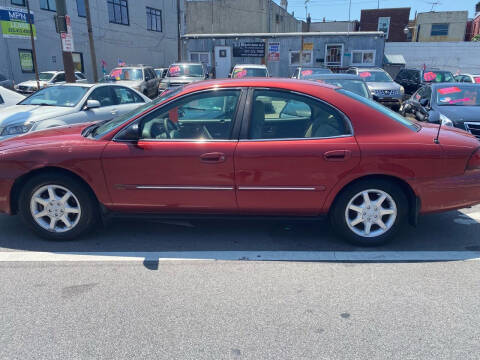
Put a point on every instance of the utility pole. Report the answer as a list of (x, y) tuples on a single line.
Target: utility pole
[(62, 27), (179, 55), (32, 39), (93, 55)]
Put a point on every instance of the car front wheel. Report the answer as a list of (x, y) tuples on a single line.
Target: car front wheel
[(370, 212), (57, 207)]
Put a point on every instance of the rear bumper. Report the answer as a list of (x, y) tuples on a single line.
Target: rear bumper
[(390, 102)]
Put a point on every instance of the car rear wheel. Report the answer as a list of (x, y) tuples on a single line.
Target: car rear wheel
[(370, 212), (57, 207)]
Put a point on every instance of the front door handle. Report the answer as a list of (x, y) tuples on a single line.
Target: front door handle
[(337, 155), (211, 158), (114, 112)]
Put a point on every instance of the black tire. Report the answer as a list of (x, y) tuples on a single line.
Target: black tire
[(88, 217), (338, 216)]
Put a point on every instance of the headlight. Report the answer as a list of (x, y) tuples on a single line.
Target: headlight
[(17, 129), (402, 90), (445, 121)]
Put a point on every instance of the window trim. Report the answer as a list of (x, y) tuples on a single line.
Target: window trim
[(48, 4), (201, 52), (363, 52), (248, 112), (16, 4), (114, 21), (341, 56), (237, 119), (441, 24), (300, 64), (33, 63), (149, 8), (78, 11)]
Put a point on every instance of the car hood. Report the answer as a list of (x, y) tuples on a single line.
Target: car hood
[(460, 114), (182, 79), (23, 113), (383, 86), (129, 83), (33, 83)]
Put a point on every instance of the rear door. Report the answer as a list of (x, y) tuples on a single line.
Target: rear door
[(126, 100), (293, 150), (108, 104)]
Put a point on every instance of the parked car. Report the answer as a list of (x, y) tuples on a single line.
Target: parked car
[(384, 89), (305, 73), (139, 77), (6, 83), (248, 70), (161, 72), (68, 104), (414, 79), (468, 78), (180, 74), (448, 104), (349, 82), (47, 78), (9, 97), (209, 148)]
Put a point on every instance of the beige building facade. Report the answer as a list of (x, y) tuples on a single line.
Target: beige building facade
[(440, 26)]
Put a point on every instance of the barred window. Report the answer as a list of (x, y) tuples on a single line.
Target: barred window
[(154, 19)]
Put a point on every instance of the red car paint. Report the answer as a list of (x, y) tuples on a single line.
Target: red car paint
[(436, 173)]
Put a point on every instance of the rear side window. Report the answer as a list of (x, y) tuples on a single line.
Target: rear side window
[(126, 96), (1, 100), (382, 109), (104, 96), (80, 76), (283, 115)]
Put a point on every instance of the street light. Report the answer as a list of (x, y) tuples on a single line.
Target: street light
[(406, 30)]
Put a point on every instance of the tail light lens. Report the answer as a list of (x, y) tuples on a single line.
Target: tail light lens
[(474, 162)]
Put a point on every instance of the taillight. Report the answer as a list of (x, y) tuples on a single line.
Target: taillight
[(474, 162)]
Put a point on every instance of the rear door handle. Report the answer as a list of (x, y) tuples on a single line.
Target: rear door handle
[(114, 112), (214, 157), (337, 155)]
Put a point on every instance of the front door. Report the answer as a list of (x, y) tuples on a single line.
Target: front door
[(292, 153), (223, 61), (183, 161)]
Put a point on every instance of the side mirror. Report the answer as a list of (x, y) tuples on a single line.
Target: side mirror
[(131, 133), (424, 102), (92, 104)]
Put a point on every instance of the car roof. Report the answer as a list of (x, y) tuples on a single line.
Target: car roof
[(372, 68), (186, 63), (257, 66), (341, 76), (452, 84)]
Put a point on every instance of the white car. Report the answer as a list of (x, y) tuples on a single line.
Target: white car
[(9, 97), (68, 104), (47, 78), (240, 71), (468, 78)]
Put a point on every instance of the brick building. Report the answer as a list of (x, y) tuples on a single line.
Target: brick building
[(391, 21)]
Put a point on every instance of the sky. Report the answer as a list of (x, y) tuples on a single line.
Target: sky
[(338, 9)]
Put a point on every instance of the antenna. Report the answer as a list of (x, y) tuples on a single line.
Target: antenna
[(433, 3), (436, 140), (306, 8)]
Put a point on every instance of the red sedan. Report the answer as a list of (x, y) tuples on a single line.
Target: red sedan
[(252, 147)]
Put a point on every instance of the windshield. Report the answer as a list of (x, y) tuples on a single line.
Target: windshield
[(45, 76), (438, 76), (375, 76), (308, 74), (185, 70), (61, 95), (119, 120), (458, 95), (356, 86), (382, 109), (120, 74), (241, 72)]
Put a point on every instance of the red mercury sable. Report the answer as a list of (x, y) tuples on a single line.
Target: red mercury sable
[(252, 147)]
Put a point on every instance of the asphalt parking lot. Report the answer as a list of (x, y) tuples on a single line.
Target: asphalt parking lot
[(190, 290)]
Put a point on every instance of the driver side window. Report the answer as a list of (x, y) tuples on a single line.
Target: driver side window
[(103, 95), (206, 116), (59, 78)]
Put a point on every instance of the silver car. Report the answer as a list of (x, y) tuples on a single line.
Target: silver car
[(383, 88), (47, 78), (68, 104), (9, 97), (140, 77), (180, 74)]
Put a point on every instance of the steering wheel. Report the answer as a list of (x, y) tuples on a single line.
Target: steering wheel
[(166, 123)]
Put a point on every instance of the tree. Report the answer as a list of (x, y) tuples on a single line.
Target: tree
[(476, 38)]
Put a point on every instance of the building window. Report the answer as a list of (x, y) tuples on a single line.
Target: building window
[(439, 30), (81, 8), (18, 2), (26, 60), (363, 57), (118, 12), (154, 19), (334, 55), (200, 57), (49, 5), (384, 25), (298, 58), (78, 61)]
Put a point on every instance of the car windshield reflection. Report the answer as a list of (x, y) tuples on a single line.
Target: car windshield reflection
[(64, 96)]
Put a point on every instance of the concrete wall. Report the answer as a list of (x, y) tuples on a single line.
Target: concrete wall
[(233, 16), (283, 68), (334, 26), (133, 44), (453, 56), (457, 21)]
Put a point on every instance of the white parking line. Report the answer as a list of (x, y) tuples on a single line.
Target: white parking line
[(326, 256)]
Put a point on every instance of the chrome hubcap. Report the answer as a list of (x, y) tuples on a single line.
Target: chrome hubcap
[(371, 213), (55, 208)]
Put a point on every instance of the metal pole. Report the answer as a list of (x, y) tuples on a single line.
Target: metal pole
[(67, 56), (93, 55), (32, 39), (179, 49)]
